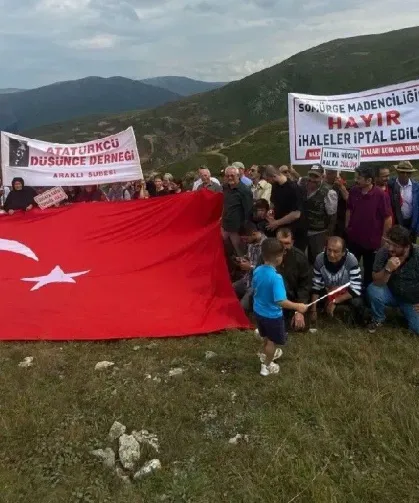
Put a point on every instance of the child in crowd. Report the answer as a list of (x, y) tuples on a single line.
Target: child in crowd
[(269, 299), (261, 210)]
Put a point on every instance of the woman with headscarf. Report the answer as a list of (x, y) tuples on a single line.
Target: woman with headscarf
[(91, 194), (72, 194), (20, 197)]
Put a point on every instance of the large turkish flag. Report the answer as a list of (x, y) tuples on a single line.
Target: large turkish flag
[(151, 268)]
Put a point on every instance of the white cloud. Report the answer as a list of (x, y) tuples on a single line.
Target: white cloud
[(96, 42), (254, 23), (209, 39), (147, 13), (249, 67), (62, 6)]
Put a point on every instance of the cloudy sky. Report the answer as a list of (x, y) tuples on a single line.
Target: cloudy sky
[(44, 41)]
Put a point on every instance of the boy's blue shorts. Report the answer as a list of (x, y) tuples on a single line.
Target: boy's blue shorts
[(272, 329)]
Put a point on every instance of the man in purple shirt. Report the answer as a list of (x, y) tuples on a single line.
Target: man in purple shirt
[(368, 218)]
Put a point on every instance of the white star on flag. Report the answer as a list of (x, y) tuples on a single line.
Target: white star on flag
[(57, 275)]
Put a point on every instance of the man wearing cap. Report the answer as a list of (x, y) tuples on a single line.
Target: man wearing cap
[(405, 198), (240, 166), (320, 208)]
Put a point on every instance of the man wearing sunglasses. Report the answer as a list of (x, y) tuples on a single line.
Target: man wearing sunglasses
[(261, 189)]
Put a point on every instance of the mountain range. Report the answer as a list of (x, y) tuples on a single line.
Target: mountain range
[(22, 109), (246, 120), (183, 85), (66, 100)]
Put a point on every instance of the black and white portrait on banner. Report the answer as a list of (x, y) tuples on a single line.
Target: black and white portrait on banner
[(18, 153)]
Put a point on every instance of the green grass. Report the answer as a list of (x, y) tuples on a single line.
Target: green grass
[(339, 424)]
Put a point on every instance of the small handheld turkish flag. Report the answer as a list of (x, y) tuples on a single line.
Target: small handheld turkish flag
[(151, 268)]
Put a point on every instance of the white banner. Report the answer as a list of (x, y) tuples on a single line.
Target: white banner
[(383, 124), (43, 164), (50, 198), (341, 159)]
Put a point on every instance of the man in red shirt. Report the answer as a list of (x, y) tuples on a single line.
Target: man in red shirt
[(368, 218)]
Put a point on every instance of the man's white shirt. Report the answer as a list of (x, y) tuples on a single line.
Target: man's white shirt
[(406, 193)]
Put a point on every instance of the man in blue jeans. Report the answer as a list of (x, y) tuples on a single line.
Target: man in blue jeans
[(396, 279)]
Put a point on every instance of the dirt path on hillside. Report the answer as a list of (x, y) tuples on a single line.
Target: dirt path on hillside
[(221, 145)]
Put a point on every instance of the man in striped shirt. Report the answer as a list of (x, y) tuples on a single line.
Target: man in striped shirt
[(335, 267)]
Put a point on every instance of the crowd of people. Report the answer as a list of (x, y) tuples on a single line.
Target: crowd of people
[(20, 197), (292, 240), (315, 233)]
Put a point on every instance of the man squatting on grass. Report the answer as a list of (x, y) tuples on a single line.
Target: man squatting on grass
[(269, 299)]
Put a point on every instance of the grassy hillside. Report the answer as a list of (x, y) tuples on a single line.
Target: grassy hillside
[(338, 424), (176, 131), (183, 85), (76, 98), (267, 144)]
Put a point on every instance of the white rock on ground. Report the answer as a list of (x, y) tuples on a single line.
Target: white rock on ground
[(176, 372), (117, 429), (129, 451), (145, 437), (27, 362), (104, 365), (238, 437), (149, 377), (106, 455), (148, 468), (209, 355)]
